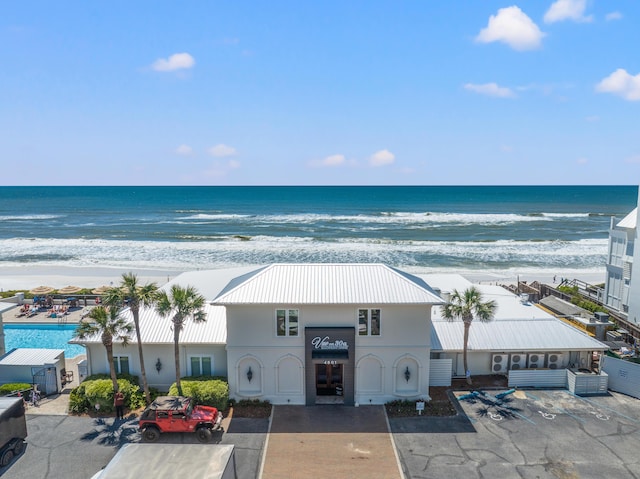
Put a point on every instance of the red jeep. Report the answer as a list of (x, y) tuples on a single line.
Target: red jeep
[(178, 414)]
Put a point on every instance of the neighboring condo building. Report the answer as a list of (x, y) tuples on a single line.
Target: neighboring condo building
[(622, 236), (622, 290)]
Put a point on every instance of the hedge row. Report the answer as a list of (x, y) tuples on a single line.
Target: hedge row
[(97, 390), (205, 390), (10, 388)]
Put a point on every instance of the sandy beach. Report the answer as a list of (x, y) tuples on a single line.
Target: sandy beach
[(28, 277)]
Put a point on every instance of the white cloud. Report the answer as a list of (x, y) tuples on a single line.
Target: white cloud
[(513, 27), (333, 160), (491, 89), (382, 158), (613, 16), (222, 151), (329, 161), (184, 150), (177, 61), (561, 10), (622, 84)]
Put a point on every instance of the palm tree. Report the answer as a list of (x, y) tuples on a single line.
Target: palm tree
[(108, 323), (465, 306), (181, 304), (137, 296)]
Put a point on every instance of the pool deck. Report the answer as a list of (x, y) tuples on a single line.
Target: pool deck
[(73, 316)]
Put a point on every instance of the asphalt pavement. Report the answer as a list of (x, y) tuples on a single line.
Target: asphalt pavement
[(529, 434)]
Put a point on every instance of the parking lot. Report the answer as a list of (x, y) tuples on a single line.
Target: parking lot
[(526, 434), (61, 446)]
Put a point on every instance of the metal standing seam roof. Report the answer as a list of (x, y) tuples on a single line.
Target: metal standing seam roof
[(629, 221), (517, 335), (31, 356), (156, 329), (328, 284)]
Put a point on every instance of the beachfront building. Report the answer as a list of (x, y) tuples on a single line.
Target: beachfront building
[(521, 336), (202, 348), (308, 333), (622, 235), (343, 333)]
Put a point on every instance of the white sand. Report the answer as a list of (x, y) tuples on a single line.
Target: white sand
[(28, 277)]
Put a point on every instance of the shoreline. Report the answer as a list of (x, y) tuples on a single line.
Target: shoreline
[(28, 277)]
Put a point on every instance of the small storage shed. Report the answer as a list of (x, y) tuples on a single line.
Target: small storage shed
[(44, 367)]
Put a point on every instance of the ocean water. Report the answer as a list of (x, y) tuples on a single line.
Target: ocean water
[(47, 336), (504, 228)]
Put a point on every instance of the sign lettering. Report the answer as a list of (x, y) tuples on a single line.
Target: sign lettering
[(324, 343)]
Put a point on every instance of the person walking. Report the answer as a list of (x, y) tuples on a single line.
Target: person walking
[(118, 402)]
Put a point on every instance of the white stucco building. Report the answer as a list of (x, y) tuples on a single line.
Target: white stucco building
[(341, 333)]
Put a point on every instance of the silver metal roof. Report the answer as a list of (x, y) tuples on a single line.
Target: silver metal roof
[(328, 284), (31, 357), (155, 329), (518, 335), (629, 221)]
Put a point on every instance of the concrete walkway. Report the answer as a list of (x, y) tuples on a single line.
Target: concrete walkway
[(330, 441)]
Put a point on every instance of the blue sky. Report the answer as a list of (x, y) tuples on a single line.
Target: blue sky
[(307, 93)]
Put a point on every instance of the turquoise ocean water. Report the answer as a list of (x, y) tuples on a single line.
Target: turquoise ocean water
[(518, 228)]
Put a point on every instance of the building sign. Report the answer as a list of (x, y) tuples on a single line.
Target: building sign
[(325, 343)]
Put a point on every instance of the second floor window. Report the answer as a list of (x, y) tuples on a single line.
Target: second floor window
[(286, 322), (369, 322)]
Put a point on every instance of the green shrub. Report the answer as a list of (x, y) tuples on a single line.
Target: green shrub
[(99, 391), (10, 388), (205, 390), (571, 290)]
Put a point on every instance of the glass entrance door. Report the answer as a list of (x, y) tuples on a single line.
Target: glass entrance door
[(329, 379)]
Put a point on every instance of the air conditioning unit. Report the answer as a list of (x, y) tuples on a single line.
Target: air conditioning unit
[(500, 363), (554, 361), (518, 361), (536, 360)]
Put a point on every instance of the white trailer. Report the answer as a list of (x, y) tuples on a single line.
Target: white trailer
[(168, 461)]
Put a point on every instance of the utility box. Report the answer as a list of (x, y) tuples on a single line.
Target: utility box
[(13, 429)]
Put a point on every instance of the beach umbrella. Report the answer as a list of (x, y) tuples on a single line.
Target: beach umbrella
[(101, 289), (42, 290), (69, 290)]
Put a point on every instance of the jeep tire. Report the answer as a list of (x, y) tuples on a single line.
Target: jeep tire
[(150, 434), (19, 447), (6, 457), (203, 434)]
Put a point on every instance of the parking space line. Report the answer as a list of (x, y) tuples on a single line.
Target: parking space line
[(600, 406), (564, 411)]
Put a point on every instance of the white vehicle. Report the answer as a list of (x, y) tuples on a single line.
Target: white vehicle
[(202, 461)]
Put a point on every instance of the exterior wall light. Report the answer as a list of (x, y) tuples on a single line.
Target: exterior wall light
[(249, 374), (158, 365), (407, 374)]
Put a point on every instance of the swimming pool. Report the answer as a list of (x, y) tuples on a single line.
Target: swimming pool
[(45, 336)]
